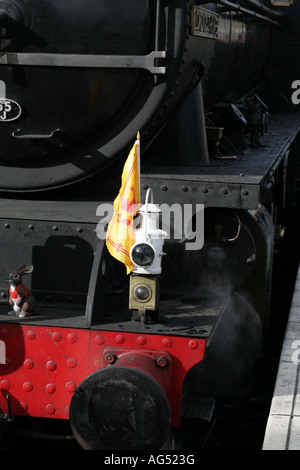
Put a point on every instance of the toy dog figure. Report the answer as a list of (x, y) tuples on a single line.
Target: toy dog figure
[(20, 297)]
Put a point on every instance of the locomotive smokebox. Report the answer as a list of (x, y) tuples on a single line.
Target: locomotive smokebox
[(123, 407), (85, 91)]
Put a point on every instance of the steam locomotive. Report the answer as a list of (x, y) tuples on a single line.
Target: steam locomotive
[(208, 86)]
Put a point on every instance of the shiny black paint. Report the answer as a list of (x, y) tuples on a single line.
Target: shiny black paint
[(75, 120)]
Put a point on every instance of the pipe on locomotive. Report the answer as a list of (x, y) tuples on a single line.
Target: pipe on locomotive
[(257, 5), (260, 11)]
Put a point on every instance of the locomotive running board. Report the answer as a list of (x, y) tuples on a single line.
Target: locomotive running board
[(86, 60), (244, 182)]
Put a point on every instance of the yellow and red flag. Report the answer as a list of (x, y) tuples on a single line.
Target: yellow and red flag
[(120, 234)]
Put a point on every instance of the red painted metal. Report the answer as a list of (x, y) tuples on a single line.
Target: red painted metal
[(44, 365)]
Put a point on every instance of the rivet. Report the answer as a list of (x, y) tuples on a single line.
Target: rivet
[(99, 339), (245, 193), (7, 225), (225, 191), (3, 295), (67, 410), (4, 384), (72, 338), (50, 388), (205, 190), (51, 365), (184, 189), (55, 228), (71, 362), (167, 342), (27, 386), (4, 333), (98, 364), (28, 363), (50, 409), (31, 226), (79, 230), (31, 334), (70, 387), (56, 336), (120, 339), (22, 406), (141, 340), (164, 188), (193, 344)]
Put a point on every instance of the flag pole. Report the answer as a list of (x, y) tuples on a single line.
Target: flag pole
[(138, 137)]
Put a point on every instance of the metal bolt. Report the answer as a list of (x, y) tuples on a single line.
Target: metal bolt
[(162, 361), (110, 358)]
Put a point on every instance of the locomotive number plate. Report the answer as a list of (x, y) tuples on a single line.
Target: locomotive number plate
[(9, 110), (204, 22)]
